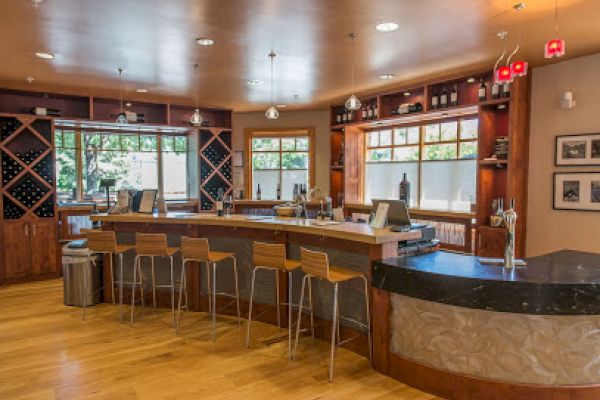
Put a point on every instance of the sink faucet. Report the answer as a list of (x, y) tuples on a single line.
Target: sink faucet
[(510, 220)]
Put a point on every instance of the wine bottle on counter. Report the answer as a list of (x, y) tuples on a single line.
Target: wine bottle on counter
[(454, 96), (435, 101), (444, 98), (220, 202), (495, 91), (50, 112), (278, 191), (404, 192), (506, 89), (482, 91), (258, 193)]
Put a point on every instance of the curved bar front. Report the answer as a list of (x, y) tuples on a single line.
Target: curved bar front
[(466, 330)]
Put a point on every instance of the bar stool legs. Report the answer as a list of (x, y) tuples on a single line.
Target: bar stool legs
[(138, 271)]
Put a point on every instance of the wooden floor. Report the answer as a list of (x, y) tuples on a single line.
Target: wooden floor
[(48, 352)]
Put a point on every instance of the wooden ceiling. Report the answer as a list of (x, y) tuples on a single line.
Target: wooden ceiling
[(154, 41)]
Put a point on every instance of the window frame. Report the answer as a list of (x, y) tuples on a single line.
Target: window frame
[(79, 149), (278, 133), (422, 143)]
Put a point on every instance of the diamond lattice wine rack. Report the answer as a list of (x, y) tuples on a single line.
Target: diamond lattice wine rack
[(27, 181), (215, 165)]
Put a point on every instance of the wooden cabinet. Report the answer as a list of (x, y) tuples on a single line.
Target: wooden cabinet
[(28, 217), (490, 241)]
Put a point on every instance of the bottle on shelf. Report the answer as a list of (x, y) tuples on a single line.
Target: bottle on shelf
[(435, 100), (495, 91), (404, 192), (279, 191), (482, 91), (258, 193), (349, 116), (454, 96), (370, 111), (43, 111), (506, 90), (220, 202), (338, 118), (364, 113), (444, 98), (375, 111)]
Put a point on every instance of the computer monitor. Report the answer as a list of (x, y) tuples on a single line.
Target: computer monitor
[(397, 213)]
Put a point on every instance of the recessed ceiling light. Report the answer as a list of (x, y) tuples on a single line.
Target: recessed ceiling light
[(254, 82), (386, 76), (42, 54), (30, 79), (142, 90), (406, 94), (471, 80), (203, 41), (387, 26)]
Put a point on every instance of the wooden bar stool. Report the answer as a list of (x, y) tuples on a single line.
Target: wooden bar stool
[(152, 245), (105, 243), (315, 264), (272, 257), (198, 250)]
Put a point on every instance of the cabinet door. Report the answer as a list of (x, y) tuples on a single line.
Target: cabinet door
[(490, 241), (16, 250), (42, 240)]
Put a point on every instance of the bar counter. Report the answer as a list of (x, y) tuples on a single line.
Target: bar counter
[(349, 245), (463, 330)]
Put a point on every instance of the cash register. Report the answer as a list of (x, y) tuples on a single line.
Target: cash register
[(398, 219)]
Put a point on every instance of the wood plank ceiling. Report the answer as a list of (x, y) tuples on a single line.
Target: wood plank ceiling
[(154, 40)]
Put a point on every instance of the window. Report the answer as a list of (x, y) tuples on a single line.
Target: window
[(279, 158), (134, 160), (438, 158)]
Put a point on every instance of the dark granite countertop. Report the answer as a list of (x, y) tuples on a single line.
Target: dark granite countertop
[(561, 283)]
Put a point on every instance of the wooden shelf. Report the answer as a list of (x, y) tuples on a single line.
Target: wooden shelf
[(493, 162)]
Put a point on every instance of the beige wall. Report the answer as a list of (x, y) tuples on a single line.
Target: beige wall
[(292, 119), (549, 230)]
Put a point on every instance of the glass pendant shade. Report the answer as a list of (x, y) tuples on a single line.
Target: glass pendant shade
[(272, 112), (353, 103), (121, 118), (503, 75), (554, 48), (196, 118), (518, 68)]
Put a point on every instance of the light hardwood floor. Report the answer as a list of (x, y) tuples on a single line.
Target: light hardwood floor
[(48, 352)]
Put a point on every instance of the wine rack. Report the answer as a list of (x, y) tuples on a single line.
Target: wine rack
[(215, 165), (28, 175)]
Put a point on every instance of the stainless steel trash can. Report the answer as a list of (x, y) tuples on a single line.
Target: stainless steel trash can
[(75, 261)]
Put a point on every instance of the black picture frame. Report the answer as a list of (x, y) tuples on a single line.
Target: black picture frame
[(583, 192), (589, 158), (148, 201)]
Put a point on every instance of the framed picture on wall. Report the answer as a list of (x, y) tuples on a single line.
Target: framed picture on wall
[(578, 149), (577, 191)]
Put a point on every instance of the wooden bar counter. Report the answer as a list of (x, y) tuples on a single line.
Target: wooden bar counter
[(348, 245)]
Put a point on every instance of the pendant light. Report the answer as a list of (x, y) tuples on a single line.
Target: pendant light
[(196, 117), (555, 48), (121, 118), (517, 68), (272, 112), (353, 103), (502, 74)]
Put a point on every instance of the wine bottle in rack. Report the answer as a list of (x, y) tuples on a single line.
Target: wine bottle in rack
[(482, 91), (444, 98), (454, 96), (434, 100)]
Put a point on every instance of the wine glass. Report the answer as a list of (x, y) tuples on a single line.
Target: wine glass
[(228, 204)]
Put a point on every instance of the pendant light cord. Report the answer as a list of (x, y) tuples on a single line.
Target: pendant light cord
[(197, 83), (121, 88), (272, 56), (353, 36), (556, 18)]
